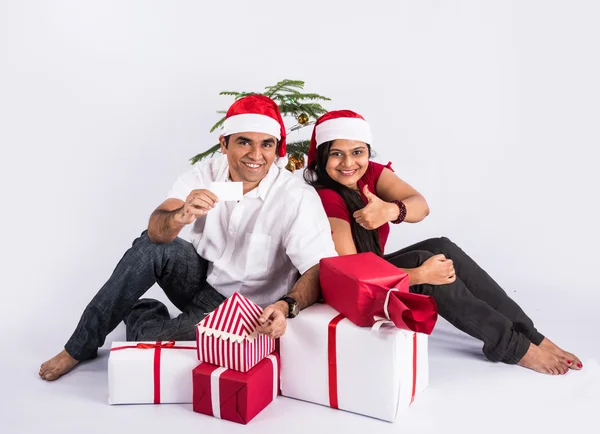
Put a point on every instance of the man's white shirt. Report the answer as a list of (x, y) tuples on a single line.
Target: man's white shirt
[(258, 245)]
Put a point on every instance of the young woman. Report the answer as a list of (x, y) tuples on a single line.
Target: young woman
[(362, 197)]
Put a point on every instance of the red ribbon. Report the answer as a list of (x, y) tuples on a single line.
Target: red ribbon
[(414, 385), (332, 361), (158, 346)]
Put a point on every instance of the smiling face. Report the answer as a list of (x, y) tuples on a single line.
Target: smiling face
[(347, 162), (250, 156)]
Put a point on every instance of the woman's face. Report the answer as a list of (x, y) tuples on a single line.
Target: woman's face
[(348, 162)]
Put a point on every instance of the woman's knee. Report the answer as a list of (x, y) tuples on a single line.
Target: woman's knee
[(447, 243), (410, 259), (440, 245), (421, 256)]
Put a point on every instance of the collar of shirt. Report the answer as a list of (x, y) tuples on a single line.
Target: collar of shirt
[(263, 187)]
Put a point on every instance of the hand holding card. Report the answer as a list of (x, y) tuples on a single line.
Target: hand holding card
[(226, 191)]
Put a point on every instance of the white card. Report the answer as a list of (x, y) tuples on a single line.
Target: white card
[(228, 190)]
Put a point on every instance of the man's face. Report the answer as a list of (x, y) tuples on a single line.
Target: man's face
[(250, 156)]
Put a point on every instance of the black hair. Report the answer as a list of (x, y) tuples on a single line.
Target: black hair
[(227, 143), (316, 175)]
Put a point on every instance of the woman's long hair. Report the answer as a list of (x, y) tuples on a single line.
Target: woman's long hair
[(316, 175)]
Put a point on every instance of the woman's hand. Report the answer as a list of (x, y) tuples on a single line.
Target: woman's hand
[(437, 270), (376, 213)]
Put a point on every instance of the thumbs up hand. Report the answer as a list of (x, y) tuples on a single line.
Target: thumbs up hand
[(376, 213)]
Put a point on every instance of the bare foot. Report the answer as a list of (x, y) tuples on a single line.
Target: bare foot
[(541, 360), (57, 366), (571, 360)]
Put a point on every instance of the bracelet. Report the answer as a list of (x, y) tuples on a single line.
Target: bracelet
[(402, 214)]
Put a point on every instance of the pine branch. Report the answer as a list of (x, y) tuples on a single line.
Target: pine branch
[(205, 154), (292, 109), (317, 109), (313, 110), (299, 97), (217, 125), (243, 94), (237, 95), (312, 96), (283, 99), (272, 90), (300, 147)]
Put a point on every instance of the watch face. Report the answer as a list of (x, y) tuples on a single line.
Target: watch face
[(294, 309)]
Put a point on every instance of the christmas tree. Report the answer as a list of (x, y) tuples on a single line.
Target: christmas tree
[(288, 94)]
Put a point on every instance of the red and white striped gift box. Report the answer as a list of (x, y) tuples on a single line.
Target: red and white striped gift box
[(227, 337)]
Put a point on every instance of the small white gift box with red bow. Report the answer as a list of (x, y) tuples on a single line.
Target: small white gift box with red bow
[(151, 372)]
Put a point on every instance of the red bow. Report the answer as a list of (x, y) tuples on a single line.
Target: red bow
[(169, 344)]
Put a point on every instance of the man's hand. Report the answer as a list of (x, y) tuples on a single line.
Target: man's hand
[(376, 213), (197, 204), (437, 270), (272, 322)]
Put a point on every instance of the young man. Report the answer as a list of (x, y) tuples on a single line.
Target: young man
[(256, 246)]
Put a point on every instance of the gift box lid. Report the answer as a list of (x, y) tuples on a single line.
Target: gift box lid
[(235, 319), (366, 267)]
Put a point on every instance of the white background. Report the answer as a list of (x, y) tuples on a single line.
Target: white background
[(490, 109)]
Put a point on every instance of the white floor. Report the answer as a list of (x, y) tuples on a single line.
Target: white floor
[(467, 394)]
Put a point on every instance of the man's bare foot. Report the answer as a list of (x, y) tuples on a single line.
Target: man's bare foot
[(541, 360), (571, 360), (57, 366)]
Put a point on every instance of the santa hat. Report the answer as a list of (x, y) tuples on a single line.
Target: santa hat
[(257, 114), (338, 124)]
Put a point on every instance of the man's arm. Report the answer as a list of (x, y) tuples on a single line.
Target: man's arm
[(173, 214), (306, 291), (163, 226)]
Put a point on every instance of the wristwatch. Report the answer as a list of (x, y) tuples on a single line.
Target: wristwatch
[(293, 309)]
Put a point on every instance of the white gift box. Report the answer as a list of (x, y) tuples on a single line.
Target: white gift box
[(151, 372), (349, 367)]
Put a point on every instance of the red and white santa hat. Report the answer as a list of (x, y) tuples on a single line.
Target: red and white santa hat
[(257, 114), (338, 124)]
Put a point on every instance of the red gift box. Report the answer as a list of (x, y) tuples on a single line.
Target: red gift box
[(370, 291), (232, 395)]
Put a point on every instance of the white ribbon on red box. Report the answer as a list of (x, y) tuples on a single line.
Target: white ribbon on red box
[(215, 392)]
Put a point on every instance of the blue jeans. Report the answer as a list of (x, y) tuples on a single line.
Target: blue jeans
[(178, 270), (474, 302)]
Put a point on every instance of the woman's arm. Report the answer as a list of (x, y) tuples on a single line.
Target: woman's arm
[(342, 236), (390, 187)]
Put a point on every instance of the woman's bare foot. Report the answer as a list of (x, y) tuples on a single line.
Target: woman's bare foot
[(57, 366), (541, 360), (570, 359)]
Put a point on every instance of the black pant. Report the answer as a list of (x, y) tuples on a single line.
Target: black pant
[(474, 302), (179, 271)]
